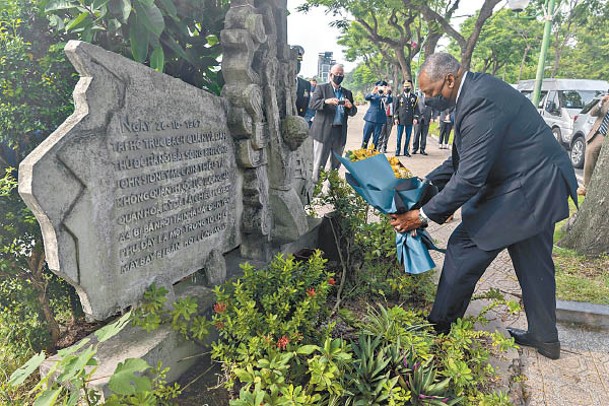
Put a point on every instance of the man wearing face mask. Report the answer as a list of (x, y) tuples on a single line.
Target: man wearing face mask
[(512, 181), (376, 116), (406, 113), (333, 104)]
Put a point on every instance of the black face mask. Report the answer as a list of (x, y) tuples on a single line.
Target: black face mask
[(407, 89), (438, 102), (337, 79)]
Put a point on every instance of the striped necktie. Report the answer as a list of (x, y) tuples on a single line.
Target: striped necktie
[(603, 129)]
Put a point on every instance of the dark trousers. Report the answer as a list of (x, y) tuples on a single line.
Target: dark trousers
[(385, 134), (420, 134), (465, 263), (373, 129), (445, 132), (401, 128)]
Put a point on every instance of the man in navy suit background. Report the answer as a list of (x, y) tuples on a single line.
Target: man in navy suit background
[(512, 180), (376, 115)]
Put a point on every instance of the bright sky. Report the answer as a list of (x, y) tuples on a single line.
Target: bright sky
[(312, 31)]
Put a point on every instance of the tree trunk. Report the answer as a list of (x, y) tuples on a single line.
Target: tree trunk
[(404, 63), (588, 234), (39, 282), (431, 43), (468, 50)]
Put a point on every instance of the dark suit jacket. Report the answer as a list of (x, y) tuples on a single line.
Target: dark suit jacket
[(303, 96), (376, 113), (324, 116), (424, 110), (406, 108), (507, 170)]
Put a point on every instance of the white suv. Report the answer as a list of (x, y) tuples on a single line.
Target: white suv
[(582, 124)]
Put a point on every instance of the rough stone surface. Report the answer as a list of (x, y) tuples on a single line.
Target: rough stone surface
[(259, 71), (139, 185)]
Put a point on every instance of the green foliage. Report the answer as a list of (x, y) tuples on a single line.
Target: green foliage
[(508, 46), (26, 285), (35, 97), (184, 315), (376, 371), (150, 312), (36, 81), (368, 268), (454, 367), (176, 37), (67, 379), (425, 388), (275, 307), (276, 381), (395, 360), (385, 34)]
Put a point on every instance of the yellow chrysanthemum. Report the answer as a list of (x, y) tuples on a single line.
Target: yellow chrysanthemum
[(399, 170)]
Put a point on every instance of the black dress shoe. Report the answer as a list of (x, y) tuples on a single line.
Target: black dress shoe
[(423, 153), (406, 154), (547, 349), (414, 152)]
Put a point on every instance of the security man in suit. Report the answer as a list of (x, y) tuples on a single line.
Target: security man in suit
[(511, 179), (406, 113), (595, 139), (333, 105), (422, 127), (376, 116), (303, 86)]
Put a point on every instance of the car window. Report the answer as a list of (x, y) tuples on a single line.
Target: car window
[(576, 99), (529, 95), (541, 97), (551, 105)]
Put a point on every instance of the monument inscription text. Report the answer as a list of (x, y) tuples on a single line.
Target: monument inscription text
[(172, 190)]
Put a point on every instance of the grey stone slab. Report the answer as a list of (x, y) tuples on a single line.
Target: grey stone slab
[(138, 186), (163, 345)]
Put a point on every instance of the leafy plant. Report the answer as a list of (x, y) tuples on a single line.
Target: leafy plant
[(274, 307), (376, 371), (176, 37), (67, 380), (35, 88), (184, 315), (425, 388), (365, 241)]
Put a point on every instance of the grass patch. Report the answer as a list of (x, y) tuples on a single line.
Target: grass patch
[(580, 278)]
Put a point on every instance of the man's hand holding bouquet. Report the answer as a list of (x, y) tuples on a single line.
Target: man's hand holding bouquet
[(390, 188)]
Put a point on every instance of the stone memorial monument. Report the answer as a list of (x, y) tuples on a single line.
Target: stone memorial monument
[(152, 179)]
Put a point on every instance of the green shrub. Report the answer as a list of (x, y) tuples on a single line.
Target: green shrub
[(368, 265), (66, 382), (278, 307)]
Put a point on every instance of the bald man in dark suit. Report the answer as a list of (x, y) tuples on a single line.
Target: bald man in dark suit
[(512, 180)]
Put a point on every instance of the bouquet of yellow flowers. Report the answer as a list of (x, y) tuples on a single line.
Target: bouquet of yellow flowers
[(390, 187), (399, 170)]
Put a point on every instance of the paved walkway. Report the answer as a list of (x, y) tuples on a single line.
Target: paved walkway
[(581, 376)]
